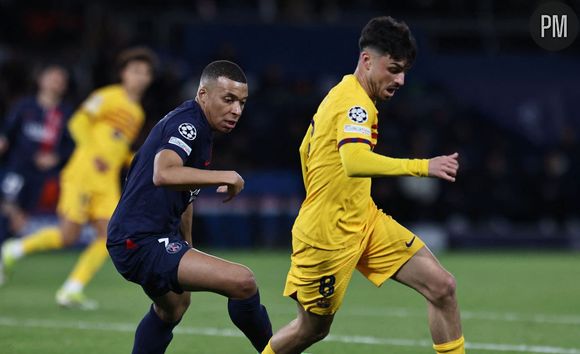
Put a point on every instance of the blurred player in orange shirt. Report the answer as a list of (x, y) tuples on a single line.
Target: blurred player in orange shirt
[(103, 128)]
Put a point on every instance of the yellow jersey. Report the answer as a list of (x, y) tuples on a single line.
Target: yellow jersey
[(104, 127), (338, 208)]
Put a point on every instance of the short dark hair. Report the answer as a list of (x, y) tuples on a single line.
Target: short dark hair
[(223, 68), (389, 36), (136, 54)]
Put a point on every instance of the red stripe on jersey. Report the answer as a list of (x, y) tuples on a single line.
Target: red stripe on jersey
[(375, 126), (354, 140), (374, 135)]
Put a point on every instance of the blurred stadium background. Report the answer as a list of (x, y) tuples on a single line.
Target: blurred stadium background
[(480, 86)]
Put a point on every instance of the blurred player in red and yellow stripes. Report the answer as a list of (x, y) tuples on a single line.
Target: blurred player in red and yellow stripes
[(103, 128), (339, 228)]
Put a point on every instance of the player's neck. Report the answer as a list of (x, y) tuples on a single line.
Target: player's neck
[(47, 100), (362, 80), (133, 94)]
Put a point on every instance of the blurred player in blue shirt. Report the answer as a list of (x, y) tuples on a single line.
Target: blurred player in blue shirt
[(149, 235), (35, 144)]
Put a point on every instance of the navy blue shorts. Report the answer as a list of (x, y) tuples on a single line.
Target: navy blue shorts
[(151, 262), (23, 189)]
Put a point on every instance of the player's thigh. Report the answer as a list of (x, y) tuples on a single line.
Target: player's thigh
[(424, 273), (318, 278), (389, 245), (100, 227), (104, 202), (74, 201), (309, 322), (199, 271)]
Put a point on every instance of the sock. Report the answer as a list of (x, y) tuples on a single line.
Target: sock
[(251, 318), (153, 335), (268, 349), (48, 238), (89, 263), (453, 347)]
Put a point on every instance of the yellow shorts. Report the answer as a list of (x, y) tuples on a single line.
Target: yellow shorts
[(318, 278), (80, 202)]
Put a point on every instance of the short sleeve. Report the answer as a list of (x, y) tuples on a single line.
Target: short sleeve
[(357, 124), (179, 135)]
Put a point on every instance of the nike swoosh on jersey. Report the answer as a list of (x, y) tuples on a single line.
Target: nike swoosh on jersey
[(410, 243)]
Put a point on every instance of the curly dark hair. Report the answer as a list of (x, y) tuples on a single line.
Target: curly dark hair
[(224, 68), (136, 54), (389, 36)]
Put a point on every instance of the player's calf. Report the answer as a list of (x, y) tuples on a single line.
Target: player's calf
[(251, 317)]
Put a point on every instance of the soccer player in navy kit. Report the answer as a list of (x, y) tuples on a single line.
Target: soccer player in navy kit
[(149, 235), (36, 144)]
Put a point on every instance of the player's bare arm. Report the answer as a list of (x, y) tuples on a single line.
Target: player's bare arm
[(168, 171), (444, 167)]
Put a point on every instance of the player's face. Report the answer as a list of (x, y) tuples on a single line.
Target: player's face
[(137, 76), (223, 101), (385, 75), (53, 80)]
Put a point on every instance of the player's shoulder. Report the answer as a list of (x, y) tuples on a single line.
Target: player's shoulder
[(26, 102), (108, 91), (187, 119), (348, 99)]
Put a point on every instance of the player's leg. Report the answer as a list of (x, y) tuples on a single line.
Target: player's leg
[(72, 209), (317, 280), (426, 275), (99, 208), (20, 193), (394, 251), (155, 331), (71, 293), (199, 271), (307, 329)]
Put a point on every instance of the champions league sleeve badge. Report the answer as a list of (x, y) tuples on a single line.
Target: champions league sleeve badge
[(188, 131), (358, 114)]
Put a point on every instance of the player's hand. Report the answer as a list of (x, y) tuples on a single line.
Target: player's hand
[(444, 167), (233, 188), (100, 165), (46, 160)]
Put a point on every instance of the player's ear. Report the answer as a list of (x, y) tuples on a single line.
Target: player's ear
[(365, 59), (202, 94)]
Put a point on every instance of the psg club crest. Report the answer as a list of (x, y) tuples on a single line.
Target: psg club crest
[(173, 247), (357, 114), (187, 130)]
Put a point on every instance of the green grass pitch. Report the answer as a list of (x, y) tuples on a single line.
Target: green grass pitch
[(511, 303)]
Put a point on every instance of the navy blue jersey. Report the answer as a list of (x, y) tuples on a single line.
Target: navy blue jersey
[(31, 129), (146, 210)]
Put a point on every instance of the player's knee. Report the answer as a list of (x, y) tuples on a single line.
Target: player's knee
[(309, 337), (176, 312), (444, 291), (68, 239), (245, 284), (320, 334)]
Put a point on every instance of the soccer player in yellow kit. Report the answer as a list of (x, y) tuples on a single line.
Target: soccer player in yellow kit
[(103, 128), (339, 228)]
